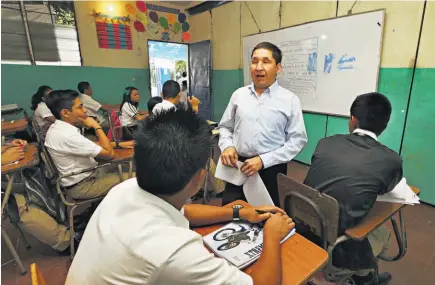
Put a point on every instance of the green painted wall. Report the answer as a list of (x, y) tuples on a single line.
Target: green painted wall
[(418, 149), (224, 83), (20, 82), (395, 84)]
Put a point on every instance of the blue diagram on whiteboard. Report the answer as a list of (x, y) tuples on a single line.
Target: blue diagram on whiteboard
[(346, 62), (312, 62), (329, 58)]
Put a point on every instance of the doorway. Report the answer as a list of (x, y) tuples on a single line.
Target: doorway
[(188, 64), (167, 61)]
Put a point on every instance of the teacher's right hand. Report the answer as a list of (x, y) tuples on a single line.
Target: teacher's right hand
[(230, 157)]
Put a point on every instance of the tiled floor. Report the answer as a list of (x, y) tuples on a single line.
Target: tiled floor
[(416, 268)]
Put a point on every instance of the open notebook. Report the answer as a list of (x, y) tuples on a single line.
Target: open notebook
[(240, 243)]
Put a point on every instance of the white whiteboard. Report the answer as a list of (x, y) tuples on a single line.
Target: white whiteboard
[(326, 63)]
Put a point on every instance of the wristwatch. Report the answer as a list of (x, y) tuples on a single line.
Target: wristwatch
[(236, 212)]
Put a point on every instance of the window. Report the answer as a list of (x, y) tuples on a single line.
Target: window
[(39, 32)]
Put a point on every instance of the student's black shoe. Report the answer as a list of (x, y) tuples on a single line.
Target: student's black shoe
[(383, 279)]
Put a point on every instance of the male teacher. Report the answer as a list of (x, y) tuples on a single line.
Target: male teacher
[(262, 126)]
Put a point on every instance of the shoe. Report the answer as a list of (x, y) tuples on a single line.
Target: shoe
[(383, 279)]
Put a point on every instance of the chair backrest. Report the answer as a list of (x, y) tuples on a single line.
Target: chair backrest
[(319, 212), (36, 275), (37, 129), (49, 163)]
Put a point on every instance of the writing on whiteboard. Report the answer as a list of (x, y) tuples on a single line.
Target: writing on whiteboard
[(329, 58), (346, 62), (299, 66), (312, 62)]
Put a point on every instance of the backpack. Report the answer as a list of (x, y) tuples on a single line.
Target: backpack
[(38, 193), (116, 131)]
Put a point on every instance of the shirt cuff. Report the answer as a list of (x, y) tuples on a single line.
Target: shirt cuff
[(267, 159), (225, 144)]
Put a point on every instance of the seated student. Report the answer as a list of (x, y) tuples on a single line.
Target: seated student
[(72, 152), (41, 113), (152, 102), (354, 169), (130, 114), (139, 235), (171, 94), (33, 220), (90, 104), (13, 152)]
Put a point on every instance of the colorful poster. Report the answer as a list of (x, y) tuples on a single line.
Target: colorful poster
[(114, 36)]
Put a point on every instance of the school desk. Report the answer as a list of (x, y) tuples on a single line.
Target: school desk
[(378, 215), (11, 127), (31, 158), (301, 258)]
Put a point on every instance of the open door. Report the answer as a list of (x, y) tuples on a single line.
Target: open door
[(200, 76)]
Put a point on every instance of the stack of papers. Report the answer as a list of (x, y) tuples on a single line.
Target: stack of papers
[(9, 107), (240, 243), (401, 194), (253, 187)]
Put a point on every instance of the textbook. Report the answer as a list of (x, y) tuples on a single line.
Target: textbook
[(240, 243)]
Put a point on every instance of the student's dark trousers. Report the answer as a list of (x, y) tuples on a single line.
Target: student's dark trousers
[(269, 176)]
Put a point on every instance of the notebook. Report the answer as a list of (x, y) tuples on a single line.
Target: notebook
[(240, 243)]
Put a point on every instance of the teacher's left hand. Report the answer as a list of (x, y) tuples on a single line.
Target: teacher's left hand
[(252, 166)]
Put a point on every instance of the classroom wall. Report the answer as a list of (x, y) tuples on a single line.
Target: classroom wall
[(108, 70), (401, 34), (92, 55), (20, 82)]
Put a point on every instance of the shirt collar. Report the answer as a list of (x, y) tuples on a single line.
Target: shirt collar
[(168, 104), (367, 133), (61, 124), (171, 211), (272, 88)]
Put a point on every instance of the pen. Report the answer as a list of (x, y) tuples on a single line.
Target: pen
[(261, 212)]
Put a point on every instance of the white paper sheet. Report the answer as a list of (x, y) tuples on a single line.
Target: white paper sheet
[(230, 174), (255, 192), (402, 194), (253, 187)]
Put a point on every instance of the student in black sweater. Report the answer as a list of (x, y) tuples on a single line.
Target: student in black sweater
[(354, 169)]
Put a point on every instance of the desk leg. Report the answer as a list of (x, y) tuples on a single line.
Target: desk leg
[(401, 238), (8, 190), (130, 169), (120, 172), (14, 252)]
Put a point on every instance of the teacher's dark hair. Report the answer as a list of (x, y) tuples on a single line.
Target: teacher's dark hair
[(276, 52)]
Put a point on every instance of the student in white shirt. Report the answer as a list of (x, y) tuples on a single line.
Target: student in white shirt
[(139, 235), (130, 114), (41, 113), (90, 104), (72, 152), (152, 102), (171, 93)]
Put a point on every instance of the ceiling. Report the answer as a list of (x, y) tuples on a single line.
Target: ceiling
[(179, 3)]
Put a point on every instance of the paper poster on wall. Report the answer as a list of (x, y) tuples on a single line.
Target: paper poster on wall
[(114, 36), (156, 20)]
